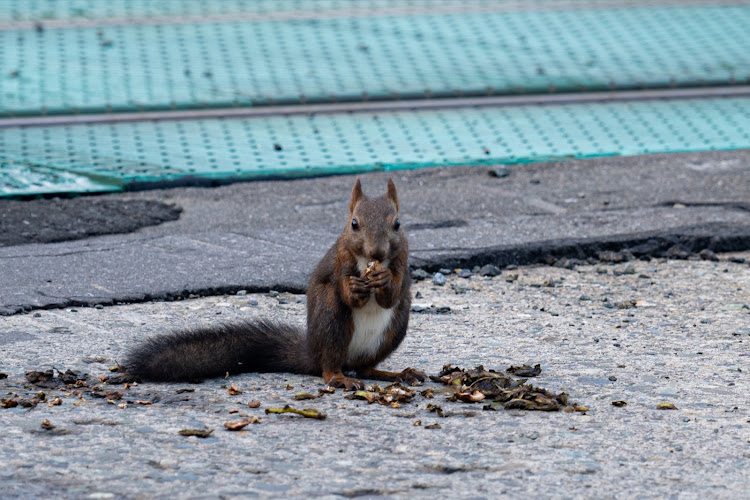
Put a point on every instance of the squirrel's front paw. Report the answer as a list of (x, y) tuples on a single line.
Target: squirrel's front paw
[(379, 279), (358, 290), (411, 376)]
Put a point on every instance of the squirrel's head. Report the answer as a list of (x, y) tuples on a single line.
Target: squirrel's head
[(374, 229)]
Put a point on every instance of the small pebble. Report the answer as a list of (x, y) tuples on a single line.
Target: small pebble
[(465, 273), (438, 279), (419, 275), (678, 252), (612, 378), (489, 270), (707, 254), (500, 171)]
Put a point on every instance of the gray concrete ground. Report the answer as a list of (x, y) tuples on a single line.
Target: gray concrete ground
[(645, 332), (674, 331)]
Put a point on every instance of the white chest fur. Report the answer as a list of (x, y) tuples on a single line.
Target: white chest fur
[(370, 324)]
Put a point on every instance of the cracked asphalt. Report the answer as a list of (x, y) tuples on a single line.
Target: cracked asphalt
[(261, 236)]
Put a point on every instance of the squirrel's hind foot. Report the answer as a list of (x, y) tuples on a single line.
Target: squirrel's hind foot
[(339, 380), (408, 376)]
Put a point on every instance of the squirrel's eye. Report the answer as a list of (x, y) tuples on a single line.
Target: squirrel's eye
[(396, 225), (355, 224)]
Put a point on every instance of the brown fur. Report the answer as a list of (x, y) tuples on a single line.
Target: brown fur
[(336, 288), (330, 329)]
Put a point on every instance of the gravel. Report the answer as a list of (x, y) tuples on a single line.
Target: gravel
[(658, 350)]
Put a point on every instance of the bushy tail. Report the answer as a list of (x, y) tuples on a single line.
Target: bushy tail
[(196, 354)]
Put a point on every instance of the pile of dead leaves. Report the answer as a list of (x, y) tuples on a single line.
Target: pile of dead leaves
[(479, 385), (392, 395), (69, 383)]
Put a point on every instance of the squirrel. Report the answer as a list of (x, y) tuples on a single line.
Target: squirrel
[(358, 304)]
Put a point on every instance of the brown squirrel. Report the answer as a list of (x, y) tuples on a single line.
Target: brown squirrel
[(358, 304)]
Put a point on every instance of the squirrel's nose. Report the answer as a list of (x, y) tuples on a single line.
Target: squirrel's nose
[(378, 254)]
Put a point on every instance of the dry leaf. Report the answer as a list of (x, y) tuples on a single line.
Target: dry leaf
[(470, 397), (436, 409), (666, 406), (233, 390), (201, 433), (370, 397), (307, 412), (241, 424), (301, 396), (525, 371)]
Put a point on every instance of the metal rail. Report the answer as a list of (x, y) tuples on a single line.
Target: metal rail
[(384, 106)]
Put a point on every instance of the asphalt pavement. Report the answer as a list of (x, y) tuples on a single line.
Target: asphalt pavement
[(269, 235)]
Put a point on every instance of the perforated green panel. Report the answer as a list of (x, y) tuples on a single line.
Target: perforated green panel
[(131, 67), (119, 155)]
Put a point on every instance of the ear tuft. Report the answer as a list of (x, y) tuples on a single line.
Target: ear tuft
[(392, 194), (357, 195)]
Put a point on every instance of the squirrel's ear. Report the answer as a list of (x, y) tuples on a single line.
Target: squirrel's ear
[(357, 195), (391, 194)]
